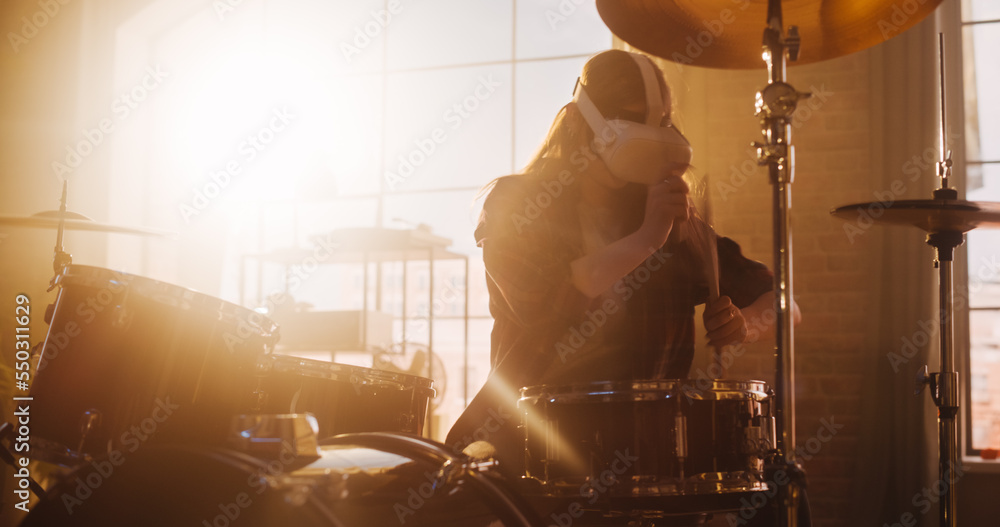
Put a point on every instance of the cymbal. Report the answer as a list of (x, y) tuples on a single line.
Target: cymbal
[(75, 221), (729, 33), (929, 215)]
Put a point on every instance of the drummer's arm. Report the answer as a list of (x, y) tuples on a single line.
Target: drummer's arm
[(761, 317), (598, 271)]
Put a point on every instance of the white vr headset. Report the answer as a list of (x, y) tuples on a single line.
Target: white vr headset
[(638, 152)]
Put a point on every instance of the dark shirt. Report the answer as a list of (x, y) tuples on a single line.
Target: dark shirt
[(546, 331)]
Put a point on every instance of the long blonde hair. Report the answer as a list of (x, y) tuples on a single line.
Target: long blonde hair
[(613, 81)]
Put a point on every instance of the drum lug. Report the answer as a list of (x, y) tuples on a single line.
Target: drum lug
[(680, 439), (406, 421), (761, 434)]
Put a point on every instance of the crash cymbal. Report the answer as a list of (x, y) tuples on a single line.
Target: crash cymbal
[(728, 33), (929, 215), (75, 221)]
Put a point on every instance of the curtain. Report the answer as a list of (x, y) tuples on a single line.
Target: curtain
[(896, 458)]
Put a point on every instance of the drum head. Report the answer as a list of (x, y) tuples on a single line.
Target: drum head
[(108, 282), (350, 374), (648, 390)]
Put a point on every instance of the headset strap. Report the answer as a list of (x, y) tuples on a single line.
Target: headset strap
[(654, 99), (591, 114)]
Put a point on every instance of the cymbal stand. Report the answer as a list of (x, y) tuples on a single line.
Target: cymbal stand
[(61, 258), (944, 385), (775, 105)]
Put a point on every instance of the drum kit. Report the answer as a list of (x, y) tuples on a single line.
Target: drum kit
[(168, 406), (839, 28)]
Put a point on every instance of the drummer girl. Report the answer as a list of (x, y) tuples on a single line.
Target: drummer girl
[(588, 277)]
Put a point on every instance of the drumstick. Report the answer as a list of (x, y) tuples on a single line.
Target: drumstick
[(712, 261), (713, 273), (704, 240)]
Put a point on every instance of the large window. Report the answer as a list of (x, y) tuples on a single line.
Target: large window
[(398, 112), (981, 39)]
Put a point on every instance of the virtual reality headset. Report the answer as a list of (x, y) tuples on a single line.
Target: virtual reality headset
[(646, 153)]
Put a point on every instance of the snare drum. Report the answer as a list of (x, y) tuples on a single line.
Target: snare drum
[(647, 438), (128, 360), (347, 399)]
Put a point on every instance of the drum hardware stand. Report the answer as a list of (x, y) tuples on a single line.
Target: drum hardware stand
[(775, 105), (61, 259), (680, 431), (944, 385), (7, 433)]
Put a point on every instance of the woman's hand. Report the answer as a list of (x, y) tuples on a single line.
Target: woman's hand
[(724, 322), (666, 203), (597, 272)]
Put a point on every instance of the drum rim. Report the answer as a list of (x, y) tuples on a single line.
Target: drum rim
[(648, 389), (87, 275), (705, 484), (349, 373)]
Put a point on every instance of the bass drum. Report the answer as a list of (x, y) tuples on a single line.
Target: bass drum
[(648, 439), (347, 399), (128, 360), (360, 480)]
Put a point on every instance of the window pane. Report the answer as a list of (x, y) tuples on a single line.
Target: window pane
[(449, 214), (449, 348), (983, 143), (973, 10), (448, 128), (552, 28), (296, 225), (985, 38), (985, 399), (984, 248), (339, 151), (348, 34), (427, 33), (543, 88)]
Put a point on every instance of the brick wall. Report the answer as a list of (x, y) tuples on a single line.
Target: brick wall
[(834, 282)]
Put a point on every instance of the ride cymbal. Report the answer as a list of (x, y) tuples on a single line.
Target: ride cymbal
[(929, 215), (728, 33)]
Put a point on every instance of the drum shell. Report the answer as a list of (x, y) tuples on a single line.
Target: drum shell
[(155, 361), (347, 399), (167, 485), (350, 484), (621, 438)]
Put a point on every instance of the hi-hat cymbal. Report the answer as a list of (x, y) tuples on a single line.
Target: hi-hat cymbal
[(75, 221), (929, 215), (728, 33)]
